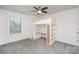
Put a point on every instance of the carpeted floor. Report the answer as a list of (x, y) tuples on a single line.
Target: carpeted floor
[(39, 46)]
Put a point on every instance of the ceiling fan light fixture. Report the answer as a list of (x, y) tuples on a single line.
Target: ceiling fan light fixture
[(39, 12)]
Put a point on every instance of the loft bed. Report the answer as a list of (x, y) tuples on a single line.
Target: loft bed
[(43, 28)]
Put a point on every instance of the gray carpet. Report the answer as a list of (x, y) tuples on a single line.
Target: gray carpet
[(39, 46)]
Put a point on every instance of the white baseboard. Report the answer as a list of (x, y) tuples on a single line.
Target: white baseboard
[(3, 43), (68, 42)]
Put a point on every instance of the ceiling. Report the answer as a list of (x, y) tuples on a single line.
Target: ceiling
[(26, 9)]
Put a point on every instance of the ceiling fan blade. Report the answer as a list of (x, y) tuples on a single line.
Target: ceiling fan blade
[(44, 11), (36, 8), (44, 8)]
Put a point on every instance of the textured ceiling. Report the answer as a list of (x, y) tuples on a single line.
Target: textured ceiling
[(26, 9)]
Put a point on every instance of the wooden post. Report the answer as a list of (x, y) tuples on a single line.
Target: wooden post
[(48, 34)]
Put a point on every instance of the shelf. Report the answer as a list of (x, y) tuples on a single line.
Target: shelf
[(41, 33)]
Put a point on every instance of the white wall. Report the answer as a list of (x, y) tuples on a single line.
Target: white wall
[(77, 24), (65, 25), (26, 23)]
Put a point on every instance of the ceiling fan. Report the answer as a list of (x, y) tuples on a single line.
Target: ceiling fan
[(39, 10)]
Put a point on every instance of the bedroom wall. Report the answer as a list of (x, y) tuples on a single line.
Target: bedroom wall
[(65, 25), (26, 30)]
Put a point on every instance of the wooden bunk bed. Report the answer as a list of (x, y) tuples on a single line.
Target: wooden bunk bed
[(43, 28)]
